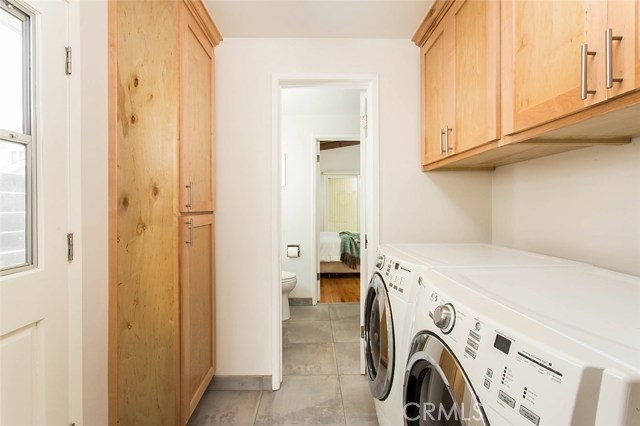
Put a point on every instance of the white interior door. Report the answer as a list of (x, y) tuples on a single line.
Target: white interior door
[(34, 303)]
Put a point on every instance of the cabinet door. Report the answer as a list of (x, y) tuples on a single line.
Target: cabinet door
[(197, 309), (542, 59), (623, 17), (475, 29), (435, 92), (197, 177)]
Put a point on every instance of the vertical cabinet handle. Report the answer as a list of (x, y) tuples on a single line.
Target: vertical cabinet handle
[(189, 223), (441, 141), (584, 91), (189, 187), (447, 148), (608, 46)]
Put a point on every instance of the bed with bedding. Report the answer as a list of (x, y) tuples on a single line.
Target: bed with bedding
[(339, 252)]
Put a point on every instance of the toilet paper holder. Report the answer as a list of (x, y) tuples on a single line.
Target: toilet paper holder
[(293, 250)]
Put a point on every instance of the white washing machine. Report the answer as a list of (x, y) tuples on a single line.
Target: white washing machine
[(390, 304), (524, 346), (388, 307)]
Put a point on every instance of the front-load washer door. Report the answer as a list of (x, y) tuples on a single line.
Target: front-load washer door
[(437, 391), (379, 339)]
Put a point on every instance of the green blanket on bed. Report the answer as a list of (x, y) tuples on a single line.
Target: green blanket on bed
[(350, 249)]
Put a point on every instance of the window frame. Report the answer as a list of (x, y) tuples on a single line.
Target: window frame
[(27, 137)]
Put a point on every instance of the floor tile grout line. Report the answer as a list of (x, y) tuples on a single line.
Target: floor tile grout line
[(257, 410)]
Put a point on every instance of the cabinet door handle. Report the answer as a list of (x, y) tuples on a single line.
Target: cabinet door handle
[(608, 46), (189, 187), (447, 148), (441, 141), (189, 223), (584, 91)]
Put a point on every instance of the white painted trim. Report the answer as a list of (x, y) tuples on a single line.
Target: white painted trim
[(368, 83), (276, 192)]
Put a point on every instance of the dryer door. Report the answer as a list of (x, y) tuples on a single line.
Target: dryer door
[(379, 342), (436, 388)]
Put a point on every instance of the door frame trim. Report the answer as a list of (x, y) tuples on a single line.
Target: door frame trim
[(369, 84)]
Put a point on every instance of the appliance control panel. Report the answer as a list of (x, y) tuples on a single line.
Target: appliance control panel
[(397, 275), (514, 374)]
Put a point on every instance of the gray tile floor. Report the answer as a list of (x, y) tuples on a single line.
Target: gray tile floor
[(322, 384)]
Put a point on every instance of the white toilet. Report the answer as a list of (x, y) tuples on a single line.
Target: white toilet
[(288, 281)]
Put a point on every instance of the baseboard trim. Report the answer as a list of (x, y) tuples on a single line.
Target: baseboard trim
[(300, 301), (243, 383)]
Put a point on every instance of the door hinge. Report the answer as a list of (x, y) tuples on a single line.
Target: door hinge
[(318, 158), (362, 331), (318, 276), (366, 241), (67, 61), (70, 247), (364, 121)]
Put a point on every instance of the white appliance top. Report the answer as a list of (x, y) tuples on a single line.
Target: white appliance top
[(472, 255), (593, 306)]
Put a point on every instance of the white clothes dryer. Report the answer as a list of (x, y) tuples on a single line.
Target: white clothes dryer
[(389, 308), (524, 346)]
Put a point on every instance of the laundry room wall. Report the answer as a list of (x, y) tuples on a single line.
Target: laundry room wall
[(415, 207), (582, 205), (307, 114)]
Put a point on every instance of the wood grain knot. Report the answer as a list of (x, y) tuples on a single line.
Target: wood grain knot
[(136, 81), (141, 228), (155, 191), (133, 119), (125, 201)]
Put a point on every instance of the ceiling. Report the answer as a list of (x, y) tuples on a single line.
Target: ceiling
[(318, 18)]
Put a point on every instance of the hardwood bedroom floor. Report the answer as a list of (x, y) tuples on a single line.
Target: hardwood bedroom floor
[(339, 290)]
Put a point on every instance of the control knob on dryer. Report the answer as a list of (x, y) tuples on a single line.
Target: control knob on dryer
[(444, 317), (380, 261)]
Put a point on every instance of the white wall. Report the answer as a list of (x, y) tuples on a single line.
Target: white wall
[(346, 159), (414, 206), (307, 114), (583, 205), (91, 67)]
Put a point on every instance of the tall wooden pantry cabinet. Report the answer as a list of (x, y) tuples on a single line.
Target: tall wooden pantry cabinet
[(161, 210)]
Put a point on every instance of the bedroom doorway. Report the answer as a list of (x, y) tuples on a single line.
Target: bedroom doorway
[(338, 219)]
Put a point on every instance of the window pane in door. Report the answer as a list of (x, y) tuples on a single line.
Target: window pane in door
[(12, 71), (342, 204), (13, 204)]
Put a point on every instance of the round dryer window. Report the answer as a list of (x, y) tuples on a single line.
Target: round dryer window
[(436, 389), (379, 342)]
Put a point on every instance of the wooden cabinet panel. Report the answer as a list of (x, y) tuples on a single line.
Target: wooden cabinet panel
[(197, 183), (434, 92), (543, 59), (197, 317), (623, 17), (476, 47), (460, 79)]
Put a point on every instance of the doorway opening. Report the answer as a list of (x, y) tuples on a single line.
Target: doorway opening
[(316, 118), (339, 232)]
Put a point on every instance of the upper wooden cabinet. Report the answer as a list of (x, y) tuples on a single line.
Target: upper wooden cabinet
[(197, 184), (512, 80), (460, 80), (559, 69)]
